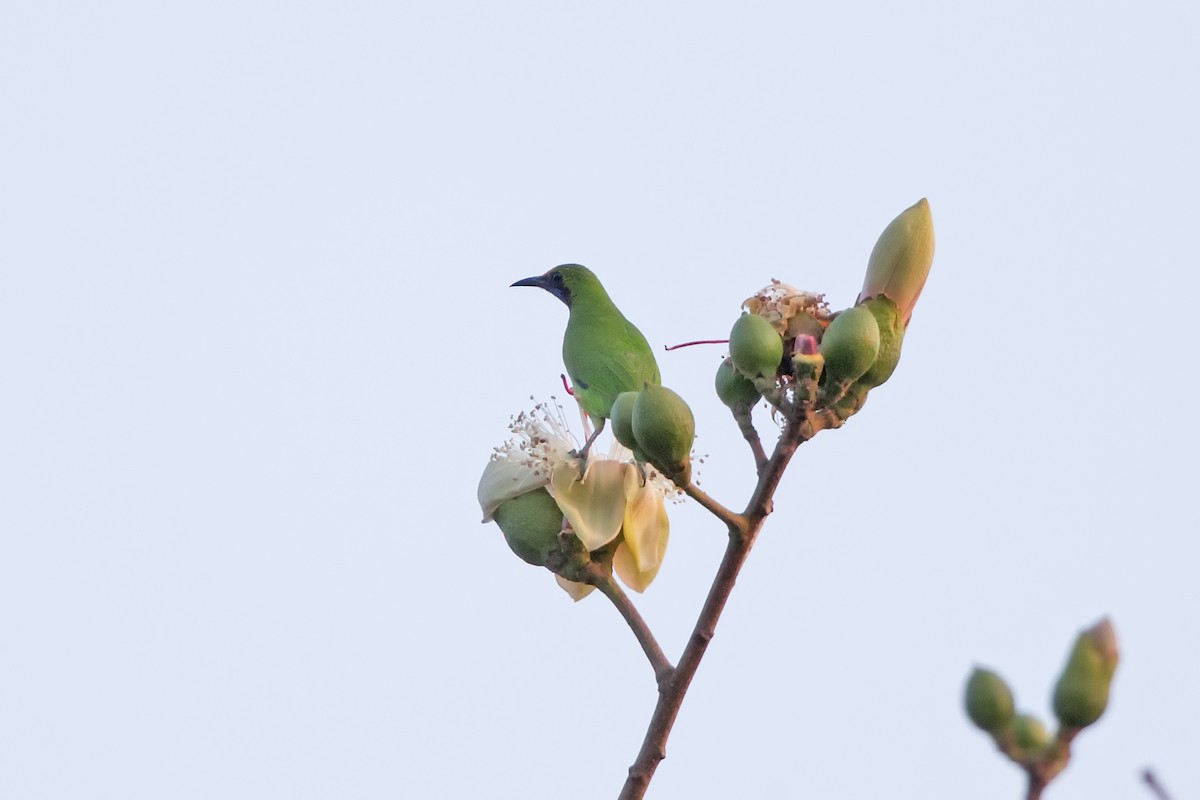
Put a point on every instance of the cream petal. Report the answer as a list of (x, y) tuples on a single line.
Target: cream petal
[(645, 525), (502, 480), (578, 591), (627, 569), (595, 506)]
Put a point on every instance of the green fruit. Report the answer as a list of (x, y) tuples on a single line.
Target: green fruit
[(733, 389), (1078, 702), (621, 418), (755, 347), (850, 345), (664, 428), (531, 523), (1029, 733), (989, 701), (891, 336)]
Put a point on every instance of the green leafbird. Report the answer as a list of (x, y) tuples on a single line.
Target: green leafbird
[(604, 353)]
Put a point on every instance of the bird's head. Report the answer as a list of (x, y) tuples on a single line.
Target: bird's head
[(565, 282)]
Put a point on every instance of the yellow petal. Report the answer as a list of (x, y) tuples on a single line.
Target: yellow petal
[(502, 480), (595, 506), (578, 591), (646, 530)]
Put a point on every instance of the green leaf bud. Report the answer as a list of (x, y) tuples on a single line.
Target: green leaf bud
[(1081, 694), (755, 347), (531, 523), (733, 388), (850, 345), (900, 261), (891, 336), (1029, 733), (664, 428), (989, 701), (621, 418)]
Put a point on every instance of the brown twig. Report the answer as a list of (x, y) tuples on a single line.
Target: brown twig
[(1151, 780), (751, 435), (671, 693), (613, 591), (1043, 765), (733, 520)]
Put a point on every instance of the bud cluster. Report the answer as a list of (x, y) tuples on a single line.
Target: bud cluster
[(803, 359), (1079, 699), (658, 426)]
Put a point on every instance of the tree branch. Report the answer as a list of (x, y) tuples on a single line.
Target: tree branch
[(1152, 781), (613, 591), (734, 521), (741, 540), (751, 435)]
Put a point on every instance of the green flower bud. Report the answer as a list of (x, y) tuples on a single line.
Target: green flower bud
[(621, 418), (806, 366), (664, 428), (891, 336), (1081, 694), (755, 347), (900, 262), (733, 388), (807, 361), (989, 701), (850, 345), (531, 523), (851, 402), (1029, 733)]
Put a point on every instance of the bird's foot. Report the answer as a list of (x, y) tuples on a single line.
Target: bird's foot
[(582, 455)]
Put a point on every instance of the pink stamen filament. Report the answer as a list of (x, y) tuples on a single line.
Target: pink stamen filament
[(698, 341)]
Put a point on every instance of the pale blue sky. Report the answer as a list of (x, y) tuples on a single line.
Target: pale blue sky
[(257, 342)]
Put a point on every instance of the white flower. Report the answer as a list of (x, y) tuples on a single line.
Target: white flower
[(610, 500)]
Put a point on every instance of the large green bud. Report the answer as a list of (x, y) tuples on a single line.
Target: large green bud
[(891, 336), (1081, 694), (531, 523), (850, 345), (901, 259), (989, 701), (664, 429), (621, 418), (755, 347), (733, 388)]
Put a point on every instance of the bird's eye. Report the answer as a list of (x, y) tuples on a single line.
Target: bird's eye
[(556, 277)]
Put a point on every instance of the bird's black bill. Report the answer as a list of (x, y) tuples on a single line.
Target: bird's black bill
[(552, 282)]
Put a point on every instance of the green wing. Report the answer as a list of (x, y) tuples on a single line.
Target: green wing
[(605, 357)]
